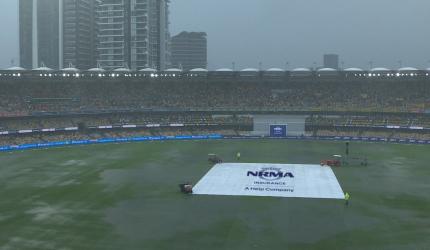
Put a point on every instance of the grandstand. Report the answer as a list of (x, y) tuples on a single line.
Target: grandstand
[(42, 105)]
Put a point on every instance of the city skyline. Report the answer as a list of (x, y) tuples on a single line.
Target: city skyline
[(189, 50), (133, 36), (383, 35), (58, 34)]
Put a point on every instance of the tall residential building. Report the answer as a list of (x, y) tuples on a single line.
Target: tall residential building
[(133, 34), (80, 33), (189, 50), (56, 33), (331, 61)]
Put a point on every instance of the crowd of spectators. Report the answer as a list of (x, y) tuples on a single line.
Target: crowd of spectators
[(377, 125), (372, 125), (368, 133), (370, 120), (81, 135), (23, 96), (43, 122), (133, 101)]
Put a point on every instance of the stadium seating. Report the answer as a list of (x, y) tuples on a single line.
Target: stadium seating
[(384, 107), (27, 96)]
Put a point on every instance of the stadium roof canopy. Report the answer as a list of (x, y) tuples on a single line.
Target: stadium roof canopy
[(70, 69), (173, 70), (301, 70), (15, 68), (249, 70), (224, 70), (380, 70), (408, 69), (327, 70), (148, 70), (42, 69), (121, 70), (96, 70), (198, 70), (353, 70), (275, 70)]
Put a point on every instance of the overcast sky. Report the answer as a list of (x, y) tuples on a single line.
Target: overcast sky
[(275, 32)]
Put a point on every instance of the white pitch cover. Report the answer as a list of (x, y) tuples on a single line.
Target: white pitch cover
[(276, 180)]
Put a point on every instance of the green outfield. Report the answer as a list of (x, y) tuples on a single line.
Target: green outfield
[(125, 196)]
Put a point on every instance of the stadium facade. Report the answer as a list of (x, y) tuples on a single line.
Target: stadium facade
[(57, 33), (133, 34), (189, 50)]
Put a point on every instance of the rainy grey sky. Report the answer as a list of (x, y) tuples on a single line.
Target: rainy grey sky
[(275, 32)]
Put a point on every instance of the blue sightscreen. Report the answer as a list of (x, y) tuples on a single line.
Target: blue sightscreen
[(278, 130)]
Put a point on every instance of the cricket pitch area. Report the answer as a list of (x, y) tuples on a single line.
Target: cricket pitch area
[(266, 179)]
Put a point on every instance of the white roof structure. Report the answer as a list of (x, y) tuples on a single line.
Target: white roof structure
[(380, 70), (148, 70), (327, 70), (16, 68), (428, 69), (224, 70), (407, 69), (275, 70), (121, 70), (198, 70), (249, 70), (70, 70), (96, 70), (173, 70), (301, 70), (353, 70), (42, 69)]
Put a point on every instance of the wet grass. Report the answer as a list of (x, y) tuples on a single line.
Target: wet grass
[(125, 197)]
